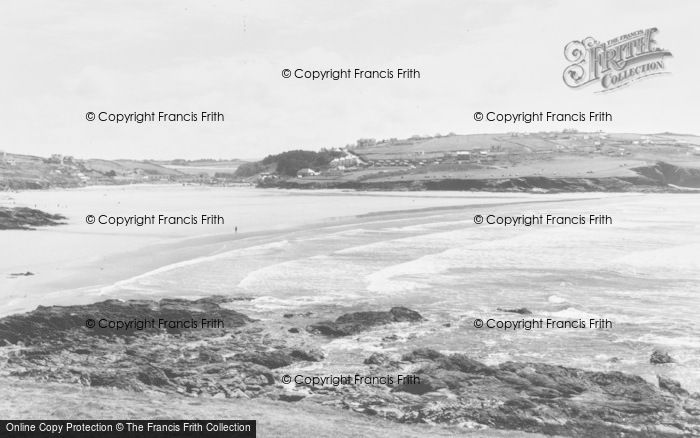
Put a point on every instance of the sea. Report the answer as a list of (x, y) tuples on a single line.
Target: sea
[(333, 252)]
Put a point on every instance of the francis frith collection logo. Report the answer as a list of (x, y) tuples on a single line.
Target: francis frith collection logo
[(614, 63)]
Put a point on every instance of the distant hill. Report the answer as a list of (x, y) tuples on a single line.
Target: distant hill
[(566, 160), (209, 167), (19, 172), (525, 143)]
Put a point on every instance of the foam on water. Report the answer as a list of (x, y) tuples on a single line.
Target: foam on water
[(662, 262), (148, 280), (641, 273)]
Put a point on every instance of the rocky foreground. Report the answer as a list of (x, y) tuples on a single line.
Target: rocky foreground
[(229, 355), (23, 218)]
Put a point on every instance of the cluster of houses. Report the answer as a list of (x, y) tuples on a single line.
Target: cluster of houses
[(307, 172), (423, 159), (568, 140), (601, 143), (70, 164), (63, 160), (346, 162)]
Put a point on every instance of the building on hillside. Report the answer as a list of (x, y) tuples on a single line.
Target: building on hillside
[(302, 173), (348, 160), (266, 176), (56, 159), (61, 159)]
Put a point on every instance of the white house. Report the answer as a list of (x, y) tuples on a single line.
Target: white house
[(349, 160), (306, 172)]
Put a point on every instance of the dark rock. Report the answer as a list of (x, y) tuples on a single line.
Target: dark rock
[(546, 399), (293, 330), (356, 322), (422, 385), (153, 376), (521, 311), (455, 362), (450, 389), (671, 386), (329, 328), (23, 218), (221, 299), (660, 357), (309, 356), (280, 358), (422, 354), (211, 356), (293, 315), (377, 359), (22, 274), (46, 323), (460, 362), (262, 374), (403, 314), (290, 397), (269, 359), (453, 380)]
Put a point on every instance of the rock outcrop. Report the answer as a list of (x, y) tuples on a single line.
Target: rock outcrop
[(53, 322), (520, 311), (23, 218), (660, 358), (534, 397), (232, 358), (246, 358), (666, 173), (353, 323)]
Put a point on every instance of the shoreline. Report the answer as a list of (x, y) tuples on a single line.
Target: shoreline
[(154, 255)]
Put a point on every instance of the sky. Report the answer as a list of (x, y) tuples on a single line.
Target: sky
[(64, 59)]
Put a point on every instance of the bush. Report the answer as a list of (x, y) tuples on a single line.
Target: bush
[(246, 170), (290, 162), (224, 175)]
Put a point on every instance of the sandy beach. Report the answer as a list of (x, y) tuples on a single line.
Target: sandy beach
[(78, 255)]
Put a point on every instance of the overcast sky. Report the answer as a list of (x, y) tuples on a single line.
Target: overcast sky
[(63, 59)]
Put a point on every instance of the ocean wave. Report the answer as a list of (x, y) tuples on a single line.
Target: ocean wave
[(574, 313), (665, 262), (670, 341), (132, 282)]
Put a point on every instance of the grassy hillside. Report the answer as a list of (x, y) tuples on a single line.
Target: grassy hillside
[(586, 156), (498, 159), (19, 172)]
